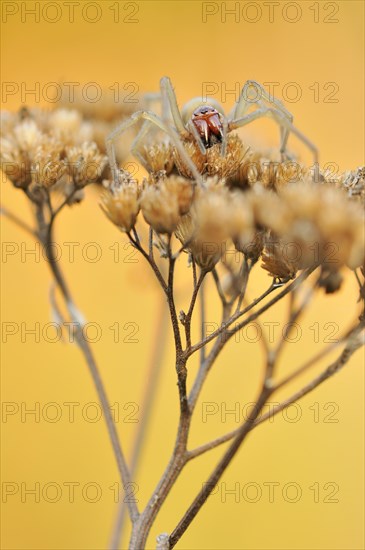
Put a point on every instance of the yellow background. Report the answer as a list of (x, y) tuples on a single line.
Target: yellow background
[(170, 38)]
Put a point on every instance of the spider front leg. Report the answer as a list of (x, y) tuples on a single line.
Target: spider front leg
[(282, 121), (169, 101), (264, 100), (168, 97), (151, 119), (149, 100), (122, 127), (262, 95)]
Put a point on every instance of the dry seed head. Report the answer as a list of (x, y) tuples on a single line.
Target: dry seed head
[(86, 164), (252, 248), (160, 157), (14, 162), (319, 220), (205, 254), (69, 126), (213, 163), (228, 165), (121, 205), (28, 136), (160, 208), (330, 280), (276, 260), (193, 151), (37, 146), (48, 167), (212, 210), (352, 182), (258, 167), (216, 216), (206, 227), (164, 200), (183, 190), (241, 218)]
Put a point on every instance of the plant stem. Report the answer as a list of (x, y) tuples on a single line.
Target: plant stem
[(187, 320), (218, 471), (46, 237), (12, 217)]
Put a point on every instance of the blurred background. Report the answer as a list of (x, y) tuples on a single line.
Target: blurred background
[(298, 480)]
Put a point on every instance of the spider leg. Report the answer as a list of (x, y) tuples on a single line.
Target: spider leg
[(282, 120), (169, 99), (122, 127), (149, 99), (136, 144), (263, 98), (224, 137), (184, 155), (197, 138), (284, 131), (244, 102), (151, 119)]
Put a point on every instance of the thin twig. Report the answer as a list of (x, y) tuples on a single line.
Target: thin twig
[(188, 316), (245, 272), (253, 420), (202, 320), (6, 213), (329, 371), (219, 470), (136, 243), (219, 287), (46, 237), (224, 328)]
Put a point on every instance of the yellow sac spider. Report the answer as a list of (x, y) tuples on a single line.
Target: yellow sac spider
[(206, 123)]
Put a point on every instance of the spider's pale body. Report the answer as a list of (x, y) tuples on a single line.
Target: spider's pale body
[(206, 123)]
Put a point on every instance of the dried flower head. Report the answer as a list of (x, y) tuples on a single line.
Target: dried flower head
[(213, 163), (216, 216), (69, 126), (49, 149), (258, 167), (279, 260), (86, 164), (226, 166), (159, 158), (121, 203), (353, 182), (252, 248), (164, 202), (48, 166), (194, 153), (318, 223)]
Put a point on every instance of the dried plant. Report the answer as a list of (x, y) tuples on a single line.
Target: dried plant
[(306, 234)]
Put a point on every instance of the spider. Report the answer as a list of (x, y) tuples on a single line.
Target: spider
[(206, 123)]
